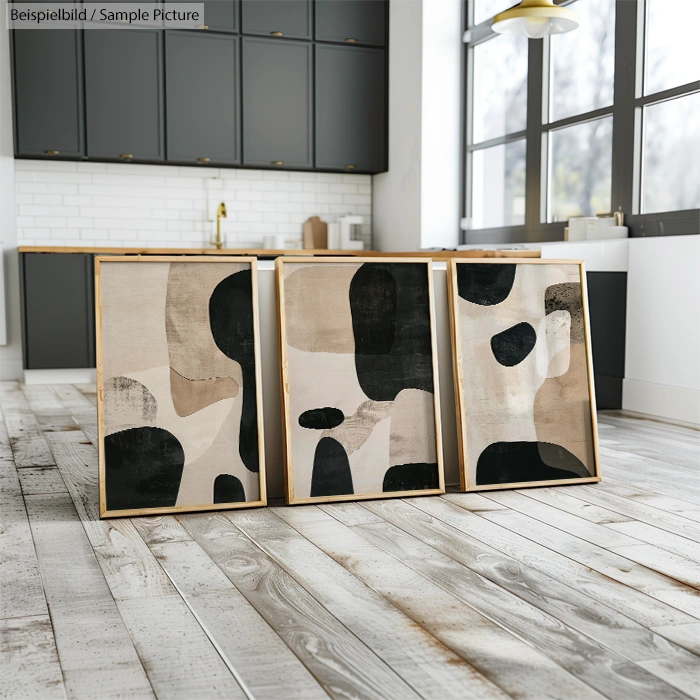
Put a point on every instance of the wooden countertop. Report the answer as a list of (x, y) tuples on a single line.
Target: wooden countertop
[(436, 255)]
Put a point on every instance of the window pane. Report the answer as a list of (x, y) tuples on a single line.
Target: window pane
[(498, 186), (580, 167), (583, 61), (485, 9), (673, 57), (500, 87), (671, 165)]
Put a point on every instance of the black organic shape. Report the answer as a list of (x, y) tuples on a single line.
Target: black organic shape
[(513, 345), (228, 489), (231, 321), (485, 283), (331, 475), (321, 418), (136, 395), (143, 468), (391, 326), (517, 462), (411, 477)]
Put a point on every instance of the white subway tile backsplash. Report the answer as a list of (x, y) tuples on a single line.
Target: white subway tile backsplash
[(126, 204)]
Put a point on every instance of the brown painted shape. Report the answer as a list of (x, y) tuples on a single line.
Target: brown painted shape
[(192, 395), (567, 296), (317, 308), (127, 404), (192, 350), (563, 411), (354, 431)]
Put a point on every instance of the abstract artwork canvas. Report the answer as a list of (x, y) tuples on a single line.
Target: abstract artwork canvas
[(359, 379), (522, 360), (179, 409)]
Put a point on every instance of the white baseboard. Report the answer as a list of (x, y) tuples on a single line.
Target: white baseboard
[(59, 376), (670, 402)]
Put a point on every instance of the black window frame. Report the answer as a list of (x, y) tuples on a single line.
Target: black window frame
[(627, 140)]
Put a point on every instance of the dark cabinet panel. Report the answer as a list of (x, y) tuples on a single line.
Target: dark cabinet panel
[(352, 21), (277, 103), (221, 15), (48, 88), (288, 18), (58, 312), (124, 93), (350, 108), (202, 97)]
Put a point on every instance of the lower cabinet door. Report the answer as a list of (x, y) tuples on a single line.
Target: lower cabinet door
[(58, 310)]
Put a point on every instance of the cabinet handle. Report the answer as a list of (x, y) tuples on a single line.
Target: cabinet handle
[(202, 26), (351, 41), (276, 33), (51, 153), (203, 160), (350, 167), (276, 162), (126, 156)]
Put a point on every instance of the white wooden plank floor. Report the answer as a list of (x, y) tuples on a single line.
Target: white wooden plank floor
[(567, 592)]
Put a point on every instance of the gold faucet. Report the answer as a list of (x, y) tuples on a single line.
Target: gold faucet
[(220, 211)]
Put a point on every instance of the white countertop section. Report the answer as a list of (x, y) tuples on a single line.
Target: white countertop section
[(599, 256)]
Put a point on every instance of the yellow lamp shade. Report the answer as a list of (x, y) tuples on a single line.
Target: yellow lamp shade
[(535, 19)]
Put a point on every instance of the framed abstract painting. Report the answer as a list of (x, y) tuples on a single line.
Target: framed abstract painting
[(178, 384), (523, 373), (359, 379)]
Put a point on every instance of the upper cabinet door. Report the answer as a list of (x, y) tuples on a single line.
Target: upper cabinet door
[(277, 103), (285, 18), (202, 97), (48, 85), (124, 94), (350, 109), (221, 15), (351, 21)]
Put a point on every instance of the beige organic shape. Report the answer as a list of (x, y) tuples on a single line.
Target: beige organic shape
[(412, 437), (562, 410), (192, 395), (317, 307), (353, 432), (552, 349), (133, 312)]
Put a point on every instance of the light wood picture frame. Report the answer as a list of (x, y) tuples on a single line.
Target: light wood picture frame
[(178, 352), (358, 348), (523, 372)]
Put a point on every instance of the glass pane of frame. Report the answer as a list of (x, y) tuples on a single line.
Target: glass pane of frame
[(672, 53), (485, 9), (500, 87), (671, 155), (583, 61), (580, 170), (498, 185)]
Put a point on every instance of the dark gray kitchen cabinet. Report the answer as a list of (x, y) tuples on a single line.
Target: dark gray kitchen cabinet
[(280, 18), (124, 94), (202, 93), (277, 103), (58, 324), (351, 108), (221, 15), (48, 92), (351, 21)]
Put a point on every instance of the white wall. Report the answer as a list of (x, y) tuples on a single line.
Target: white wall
[(416, 203), (662, 359), (10, 354), (125, 204)]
